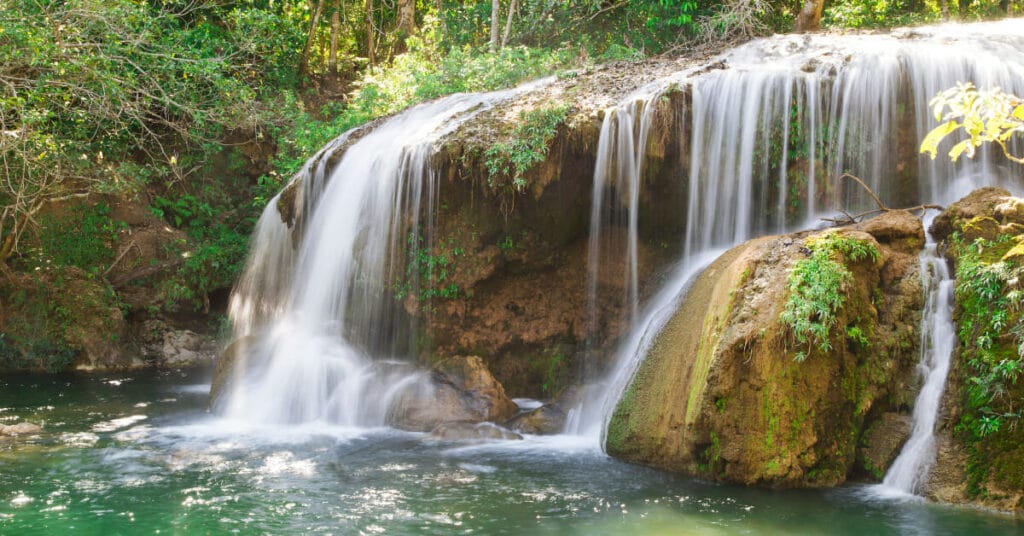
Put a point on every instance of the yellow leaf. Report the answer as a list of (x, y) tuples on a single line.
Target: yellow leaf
[(1018, 112), (960, 148), (930, 144)]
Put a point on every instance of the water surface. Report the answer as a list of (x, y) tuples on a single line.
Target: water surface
[(139, 454)]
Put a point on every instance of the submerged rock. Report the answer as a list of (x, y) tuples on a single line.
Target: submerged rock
[(721, 394), (20, 429), (457, 389), (472, 431), (547, 419)]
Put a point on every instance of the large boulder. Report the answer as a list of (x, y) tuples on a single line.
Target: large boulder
[(984, 213), (882, 443), (183, 348), (456, 389), (547, 419), (228, 365), (721, 395)]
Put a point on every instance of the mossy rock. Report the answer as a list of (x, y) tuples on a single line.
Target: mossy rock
[(61, 317), (720, 395)]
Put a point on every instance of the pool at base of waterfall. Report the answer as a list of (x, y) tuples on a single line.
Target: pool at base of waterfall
[(137, 453)]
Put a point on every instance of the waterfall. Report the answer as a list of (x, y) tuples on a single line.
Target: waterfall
[(615, 202), (938, 340), (319, 301), (775, 127)]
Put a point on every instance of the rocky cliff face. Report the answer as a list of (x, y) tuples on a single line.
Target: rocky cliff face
[(721, 396)]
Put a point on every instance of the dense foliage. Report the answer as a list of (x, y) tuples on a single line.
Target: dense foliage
[(153, 100), (991, 330)]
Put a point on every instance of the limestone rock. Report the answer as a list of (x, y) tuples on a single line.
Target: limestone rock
[(457, 389), (883, 442), (69, 314), (184, 349), (472, 431), (984, 471), (947, 480), (227, 364), (720, 395), (898, 229), (966, 212), (547, 419)]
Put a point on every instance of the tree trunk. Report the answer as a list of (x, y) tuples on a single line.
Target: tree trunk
[(317, 9), (495, 21), (809, 18), (369, 33), (332, 62), (508, 24), (406, 23)]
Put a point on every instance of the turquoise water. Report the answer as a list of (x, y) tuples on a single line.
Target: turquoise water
[(138, 454)]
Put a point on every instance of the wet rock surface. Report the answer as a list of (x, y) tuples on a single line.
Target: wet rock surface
[(472, 432), (882, 443), (984, 471), (545, 420), (457, 389), (720, 394)]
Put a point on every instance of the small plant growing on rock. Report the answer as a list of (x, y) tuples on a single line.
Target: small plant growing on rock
[(528, 147), (816, 288)]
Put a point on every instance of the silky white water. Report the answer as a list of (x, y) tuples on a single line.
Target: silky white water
[(328, 341), (938, 340)]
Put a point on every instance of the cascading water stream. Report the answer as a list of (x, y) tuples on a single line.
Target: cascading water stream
[(773, 130), (324, 323), (938, 340), (617, 174)]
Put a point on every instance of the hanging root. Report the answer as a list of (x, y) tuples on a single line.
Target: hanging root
[(850, 219)]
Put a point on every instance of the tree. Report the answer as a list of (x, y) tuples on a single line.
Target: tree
[(406, 24), (986, 116), (809, 18), (316, 7), (495, 24)]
